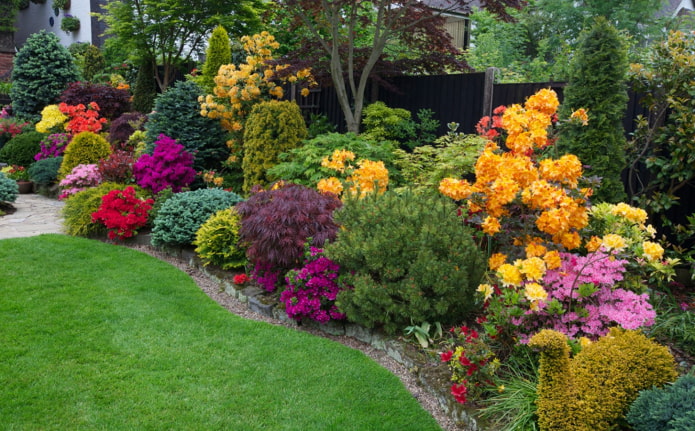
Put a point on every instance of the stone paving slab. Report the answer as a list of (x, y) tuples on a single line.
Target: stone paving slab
[(36, 214)]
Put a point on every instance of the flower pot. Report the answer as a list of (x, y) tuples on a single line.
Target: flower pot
[(25, 187)]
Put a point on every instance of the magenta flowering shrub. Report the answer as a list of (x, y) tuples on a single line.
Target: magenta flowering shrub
[(265, 274), (582, 300), (170, 166), (53, 146), (312, 289), (80, 178)]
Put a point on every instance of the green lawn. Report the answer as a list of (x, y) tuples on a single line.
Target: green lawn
[(100, 337)]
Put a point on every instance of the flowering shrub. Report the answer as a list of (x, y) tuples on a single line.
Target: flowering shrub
[(240, 279), (82, 119), (81, 178), (112, 101), (266, 275), (53, 146), (15, 172), (52, 120), (122, 212), (369, 177), (169, 166), (9, 128), (118, 167), (312, 289)]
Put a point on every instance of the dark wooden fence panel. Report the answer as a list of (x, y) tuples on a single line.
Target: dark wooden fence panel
[(507, 94)]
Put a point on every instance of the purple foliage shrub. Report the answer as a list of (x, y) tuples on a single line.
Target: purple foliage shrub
[(277, 223), (112, 101), (169, 166), (122, 127), (53, 146), (118, 167)]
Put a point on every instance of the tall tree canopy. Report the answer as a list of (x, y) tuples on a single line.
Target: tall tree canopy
[(171, 31), (358, 40)]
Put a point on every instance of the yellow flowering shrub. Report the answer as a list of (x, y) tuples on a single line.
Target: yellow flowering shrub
[(369, 176), (52, 120)]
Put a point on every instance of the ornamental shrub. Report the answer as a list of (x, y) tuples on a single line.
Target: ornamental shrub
[(272, 128), (177, 114), (123, 213), (597, 82), (669, 409), (182, 215), (8, 189), (80, 178), (145, 88), (45, 171), (217, 54), (21, 149), (277, 223), (85, 148), (43, 68), (311, 290), (52, 120), (118, 167), (217, 240), (409, 258), (123, 127), (78, 210), (82, 118), (382, 123), (112, 102), (53, 146), (11, 127), (302, 165), (170, 166), (93, 63)]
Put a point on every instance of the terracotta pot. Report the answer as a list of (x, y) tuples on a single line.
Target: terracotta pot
[(25, 187)]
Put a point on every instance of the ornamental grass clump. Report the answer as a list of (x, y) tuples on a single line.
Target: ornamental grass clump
[(217, 242), (169, 166), (409, 258)]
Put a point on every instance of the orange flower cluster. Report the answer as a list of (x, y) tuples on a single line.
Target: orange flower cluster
[(511, 183), (82, 118), (369, 177)]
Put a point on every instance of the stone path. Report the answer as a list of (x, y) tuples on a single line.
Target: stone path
[(36, 214)]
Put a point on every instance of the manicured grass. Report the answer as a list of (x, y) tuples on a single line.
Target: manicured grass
[(100, 337)]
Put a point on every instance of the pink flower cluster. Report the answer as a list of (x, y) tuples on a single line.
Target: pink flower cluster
[(169, 166), (594, 310), (312, 289), (81, 178)]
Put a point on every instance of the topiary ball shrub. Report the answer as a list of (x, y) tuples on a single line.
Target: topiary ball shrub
[(8, 189), (85, 148), (44, 172), (410, 259), (112, 102), (21, 149), (78, 210), (170, 166), (182, 215), (177, 114), (217, 241), (277, 223), (272, 128), (43, 68), (123, 127), (669, 409)]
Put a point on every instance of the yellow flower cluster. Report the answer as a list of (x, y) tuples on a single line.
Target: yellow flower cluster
[(369, 177), (652, 250), (51, 118), (580, 115), (337, 160), (237, 89), (527, 126), (635, 215)]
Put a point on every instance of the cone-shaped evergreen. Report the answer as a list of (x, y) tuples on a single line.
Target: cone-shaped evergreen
[(597, 83), (218, 53), (145, 89)]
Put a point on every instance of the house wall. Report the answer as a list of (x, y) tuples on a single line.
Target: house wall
[(44, 17)]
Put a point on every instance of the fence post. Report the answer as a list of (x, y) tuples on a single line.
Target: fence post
[(489, 90)]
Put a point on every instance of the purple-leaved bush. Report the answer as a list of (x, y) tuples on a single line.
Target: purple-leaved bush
[(312, 289), (53, 145), (170, 165)]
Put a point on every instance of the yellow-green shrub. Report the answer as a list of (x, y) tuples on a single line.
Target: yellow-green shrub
[(217, 240), (85, 148), (272, 128)]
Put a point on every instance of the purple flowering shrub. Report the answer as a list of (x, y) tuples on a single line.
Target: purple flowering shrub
[(80, 178), (312, 289), (265, 275), (170, 166), (53, 146), (583, 300)]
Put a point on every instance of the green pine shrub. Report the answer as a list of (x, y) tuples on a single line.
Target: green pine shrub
[(43, 68), (217, 240), (78, 210), (8, 189), (409, 258), (218, 53), (597, 82), (45, 171), (669, 409), (272, 128), (21, 149), (93, 63), (177, 115), (145, 88), (182, 215), (85, 148), (302, 165)]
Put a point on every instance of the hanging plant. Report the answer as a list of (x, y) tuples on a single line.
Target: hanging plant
[(61, 4), (70, 23)]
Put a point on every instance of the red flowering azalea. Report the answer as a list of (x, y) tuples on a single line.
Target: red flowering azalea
[(459, 392), (122, 212), (240, 279), (446, 356)]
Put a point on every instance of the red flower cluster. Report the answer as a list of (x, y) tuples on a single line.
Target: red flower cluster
[(491, 127), (122, 212), (82, 119), (240, 279)]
